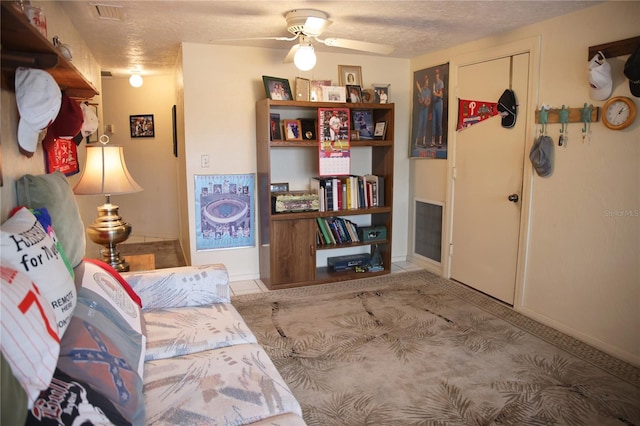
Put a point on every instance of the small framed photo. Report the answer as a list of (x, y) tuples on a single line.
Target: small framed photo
[(349, 74), (381, 93), (334, 94), (367, 96), (277, 88), (303, 87), (380, 130), (316, 89), (354, 93), (142, 126), (292, 130), (309, 126), (276, 129), (280, 187), (362, 120)]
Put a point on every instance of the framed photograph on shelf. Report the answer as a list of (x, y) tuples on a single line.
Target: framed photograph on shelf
[(349, 74), (381, 93), (334, 148), (225, 215), (362, 120), (280, 187), (292, 130), (277, 88), (334, 94), (309, 127), (354, 93), (368, 96), (380, 130), (142, 126), (303, 89), (276, 128), (316, 89)]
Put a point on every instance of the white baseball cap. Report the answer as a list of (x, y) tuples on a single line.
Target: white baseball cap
[(600, 80), (39, 98), (90, 124)]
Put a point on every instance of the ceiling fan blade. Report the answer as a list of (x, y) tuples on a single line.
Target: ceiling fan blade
[(292, 52), (383, 49), (259, 38)]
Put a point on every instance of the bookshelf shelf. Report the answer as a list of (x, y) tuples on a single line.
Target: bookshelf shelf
[(289, 252)]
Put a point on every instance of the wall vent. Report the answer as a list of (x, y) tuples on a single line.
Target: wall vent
[(428, 229)]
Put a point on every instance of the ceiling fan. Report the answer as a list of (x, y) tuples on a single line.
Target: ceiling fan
[(306, 25)]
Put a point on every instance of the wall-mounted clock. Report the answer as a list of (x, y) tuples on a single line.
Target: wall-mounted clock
[(618, 113)]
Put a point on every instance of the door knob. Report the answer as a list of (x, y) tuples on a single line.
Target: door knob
[(513, 198)]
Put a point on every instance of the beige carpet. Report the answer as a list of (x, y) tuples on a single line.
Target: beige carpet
[(416, 349)]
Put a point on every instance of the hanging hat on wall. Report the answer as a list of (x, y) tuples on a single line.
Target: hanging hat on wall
[(90, 124), (508, 108), (66, 125), (632, 72), (600, 80), (540, 155), (39, 98)]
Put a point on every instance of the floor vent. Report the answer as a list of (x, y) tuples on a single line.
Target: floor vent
[(428, 229)]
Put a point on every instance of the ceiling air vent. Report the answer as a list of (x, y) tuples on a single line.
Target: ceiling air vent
[(106, 11), (106, 74)]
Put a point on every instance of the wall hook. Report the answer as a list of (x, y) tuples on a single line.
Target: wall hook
[(543, 119), (564, 119), (586, 119)]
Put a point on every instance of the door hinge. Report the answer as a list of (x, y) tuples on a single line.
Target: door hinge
[(451, 249)]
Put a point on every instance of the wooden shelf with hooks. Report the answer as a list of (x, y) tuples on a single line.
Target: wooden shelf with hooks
[(575, 115), (23, 45)]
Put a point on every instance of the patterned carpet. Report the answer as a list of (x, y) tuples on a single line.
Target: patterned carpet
[(416, 349)]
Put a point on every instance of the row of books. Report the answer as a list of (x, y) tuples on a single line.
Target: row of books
[(336, 230), (348, 192)]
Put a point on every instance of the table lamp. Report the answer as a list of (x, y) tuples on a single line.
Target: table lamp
[(105, 173)]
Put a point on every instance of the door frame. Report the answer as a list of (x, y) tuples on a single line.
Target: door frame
[(532, 47)]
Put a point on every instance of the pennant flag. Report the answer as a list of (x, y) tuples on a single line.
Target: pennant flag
[(473, 112)]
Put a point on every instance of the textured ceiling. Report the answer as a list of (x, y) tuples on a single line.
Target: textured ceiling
[(148, 35)]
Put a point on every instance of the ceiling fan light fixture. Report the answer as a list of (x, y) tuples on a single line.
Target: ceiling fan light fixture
[(305, 57)]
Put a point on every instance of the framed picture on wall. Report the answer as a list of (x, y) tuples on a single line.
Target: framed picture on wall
[(142, 126), (225, 215), (429, 119), (349, 74)]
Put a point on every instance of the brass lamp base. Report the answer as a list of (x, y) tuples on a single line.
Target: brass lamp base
[(109, 230)]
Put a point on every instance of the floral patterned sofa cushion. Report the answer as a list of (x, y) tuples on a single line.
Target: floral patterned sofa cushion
[(180, 331), (240, 381), (179, 287)]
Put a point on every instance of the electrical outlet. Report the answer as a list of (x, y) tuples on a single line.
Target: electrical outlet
[(204, 161)]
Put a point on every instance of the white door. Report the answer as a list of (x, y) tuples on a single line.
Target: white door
[(488, 174)]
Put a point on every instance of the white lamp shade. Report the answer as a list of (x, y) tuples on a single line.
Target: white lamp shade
[(305, 57), (106, 173)]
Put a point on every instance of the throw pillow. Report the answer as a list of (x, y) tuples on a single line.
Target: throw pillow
[(27, 248), (69, 401), (53, 192), (29, 339)]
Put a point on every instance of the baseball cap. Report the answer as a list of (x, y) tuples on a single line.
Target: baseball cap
[(90, 124), (508, 108), (600, 80), (66, 125), (38, 97), (632, 72), (540, 155)]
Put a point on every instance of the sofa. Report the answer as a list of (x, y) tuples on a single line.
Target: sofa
[(83, 344)]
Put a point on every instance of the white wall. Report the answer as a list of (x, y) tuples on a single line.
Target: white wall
[(582, 271), (221, 87)]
